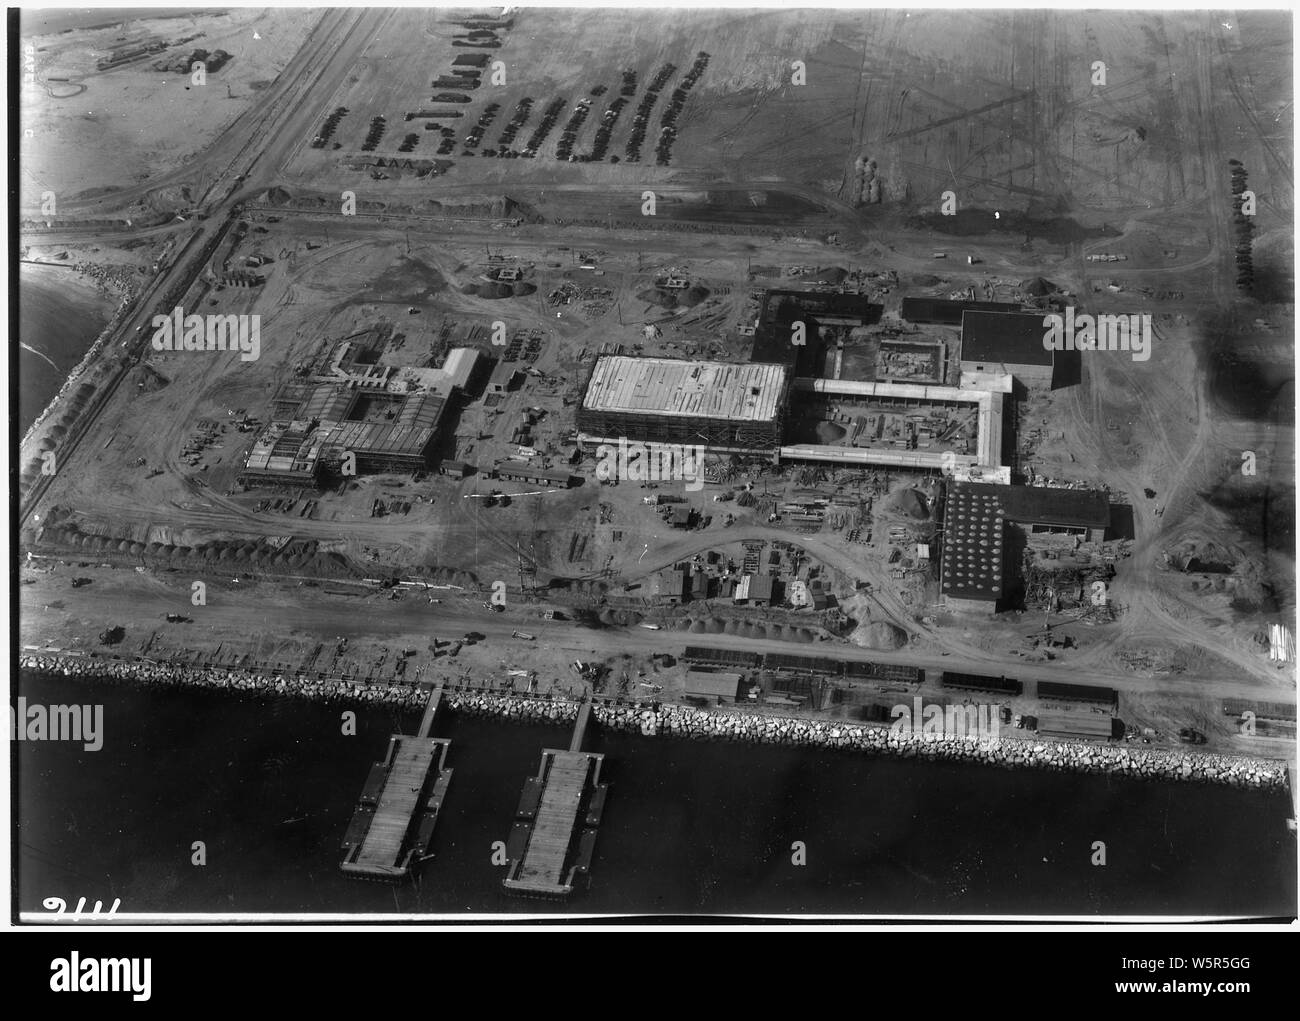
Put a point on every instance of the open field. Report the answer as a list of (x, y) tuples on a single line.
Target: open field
[(95, 130)]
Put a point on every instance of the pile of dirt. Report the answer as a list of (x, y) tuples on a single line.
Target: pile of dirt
[(1037, 286), (1202, 556), (911, 503), (828, 433), (880, 635), (488, 289), (500, 206), (658, 296), (692, 296)]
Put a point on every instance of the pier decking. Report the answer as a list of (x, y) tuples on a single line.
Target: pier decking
[(554, 833), (395, 816)]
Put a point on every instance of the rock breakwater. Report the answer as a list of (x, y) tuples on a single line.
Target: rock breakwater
[(671, 721)]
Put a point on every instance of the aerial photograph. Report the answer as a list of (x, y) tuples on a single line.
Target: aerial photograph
[(652, 461)]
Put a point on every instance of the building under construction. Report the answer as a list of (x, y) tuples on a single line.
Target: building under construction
[(901, 425), (975, 573), (723, 406), (323, 427)]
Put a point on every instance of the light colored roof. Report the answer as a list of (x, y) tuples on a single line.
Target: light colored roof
[(379, 438), (285, 447), (988, 433), (721, 684), (459, 365), (749, 391)]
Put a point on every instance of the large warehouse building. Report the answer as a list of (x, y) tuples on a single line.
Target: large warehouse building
[(723, 406), (1008, 344), (975, 519), (941, 311)]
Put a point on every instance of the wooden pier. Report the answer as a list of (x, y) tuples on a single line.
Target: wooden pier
[(554, 834), (393, 824)]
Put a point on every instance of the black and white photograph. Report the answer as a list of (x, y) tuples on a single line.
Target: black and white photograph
[(748, 463)]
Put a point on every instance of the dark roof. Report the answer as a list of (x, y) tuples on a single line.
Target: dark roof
[(670, 583), (1043, 505), (1077, 692), (708, 654), (787, 306), (761, 586), (941, 310), (780, 308), (503, 375), (1007, 337), (981, 682), (972, 550), (1262, 710), (519, 470)]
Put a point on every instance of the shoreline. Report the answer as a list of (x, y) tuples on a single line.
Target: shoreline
[(671, 720), (95, 279)]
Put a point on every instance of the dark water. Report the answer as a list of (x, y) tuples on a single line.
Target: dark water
[(56, 327), (689, 827)]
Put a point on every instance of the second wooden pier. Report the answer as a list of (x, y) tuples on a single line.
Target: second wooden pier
[(554, 834)]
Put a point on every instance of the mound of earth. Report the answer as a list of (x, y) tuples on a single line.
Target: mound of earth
[(912, 503), (499, 206), (278, 196), (1038, 286), (692, 296), (880, 635), (828, 433), (926, 280), (1197, 556), (658, 296), (492, 290)]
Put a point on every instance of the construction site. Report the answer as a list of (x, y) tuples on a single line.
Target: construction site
[(464, 294)]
